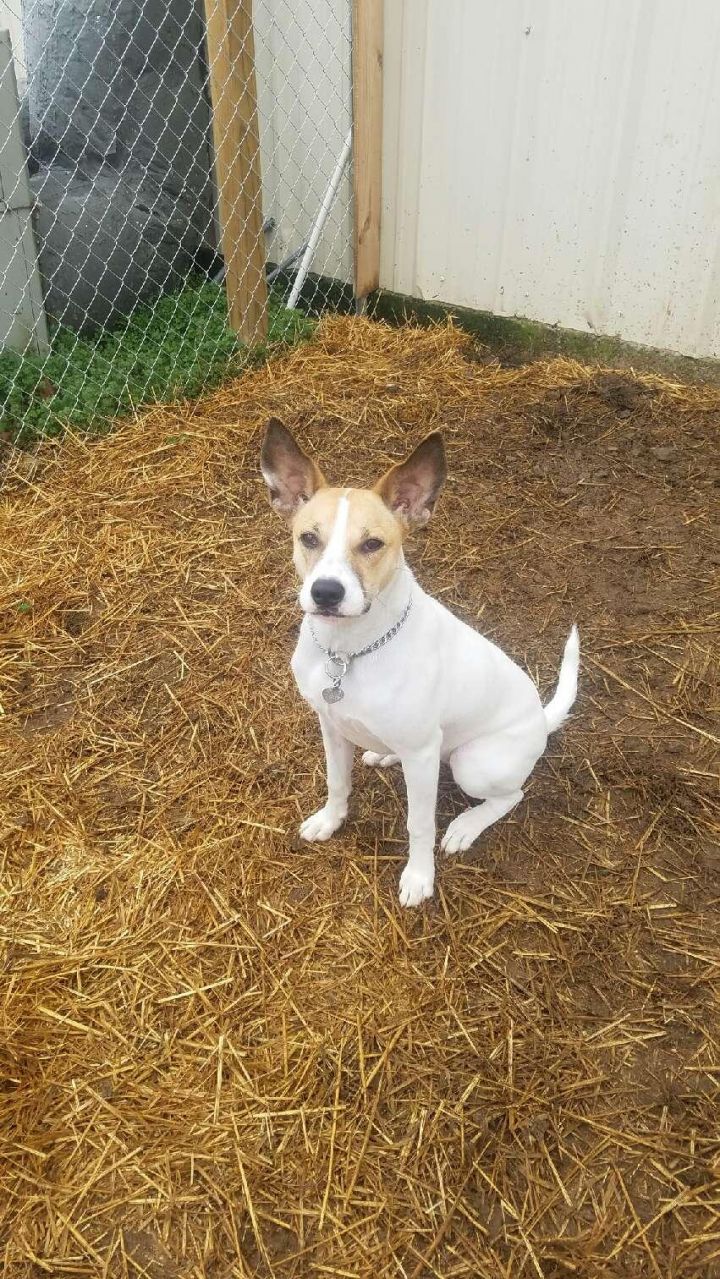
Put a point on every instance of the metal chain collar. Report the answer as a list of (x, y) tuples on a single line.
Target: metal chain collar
[(338, 664)]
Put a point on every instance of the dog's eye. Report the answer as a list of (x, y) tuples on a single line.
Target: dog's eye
[(371, 544), (310, 541)]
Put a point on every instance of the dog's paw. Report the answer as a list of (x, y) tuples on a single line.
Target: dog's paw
[(321, 825), (373, 760), (461, 833), (415, 886)]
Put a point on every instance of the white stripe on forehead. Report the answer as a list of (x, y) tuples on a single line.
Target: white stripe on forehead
[(335, 549)]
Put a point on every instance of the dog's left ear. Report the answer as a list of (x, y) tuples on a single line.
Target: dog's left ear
[(412, 488), (291, 476)]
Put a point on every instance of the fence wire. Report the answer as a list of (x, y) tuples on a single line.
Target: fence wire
[(111, 262)]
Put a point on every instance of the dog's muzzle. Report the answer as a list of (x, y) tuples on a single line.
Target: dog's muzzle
[(327, 594)]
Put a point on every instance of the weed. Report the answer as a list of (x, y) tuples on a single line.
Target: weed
[(176, 347)]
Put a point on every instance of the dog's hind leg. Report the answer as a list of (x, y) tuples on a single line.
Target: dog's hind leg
[(493, 770), (374, 760), (464, 830)]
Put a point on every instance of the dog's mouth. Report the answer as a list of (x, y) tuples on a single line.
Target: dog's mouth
[(334, 614)]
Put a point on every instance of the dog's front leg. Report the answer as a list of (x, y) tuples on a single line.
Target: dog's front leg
[(339, 761), (420, 769)]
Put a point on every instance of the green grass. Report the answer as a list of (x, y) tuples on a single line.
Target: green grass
[(177, 347)]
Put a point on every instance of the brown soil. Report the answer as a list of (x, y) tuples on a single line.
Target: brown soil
[(224, 1054)]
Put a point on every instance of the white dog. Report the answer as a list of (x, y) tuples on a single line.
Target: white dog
[(390, 670)]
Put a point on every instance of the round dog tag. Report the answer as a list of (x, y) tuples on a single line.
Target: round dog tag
[(334, 694)]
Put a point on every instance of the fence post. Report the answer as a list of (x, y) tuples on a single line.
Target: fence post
[(367, 77), (231, 59), (23, 325)]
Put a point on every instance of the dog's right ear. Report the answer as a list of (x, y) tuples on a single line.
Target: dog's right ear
[(290, 475), (411, 488)]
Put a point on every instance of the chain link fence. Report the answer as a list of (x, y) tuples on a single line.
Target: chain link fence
[(111, 243)]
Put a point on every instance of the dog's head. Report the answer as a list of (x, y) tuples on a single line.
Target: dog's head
[(348, 542)]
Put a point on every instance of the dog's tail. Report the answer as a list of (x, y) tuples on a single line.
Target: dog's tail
[(557, 708)]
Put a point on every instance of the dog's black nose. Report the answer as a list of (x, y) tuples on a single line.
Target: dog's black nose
[(327, 592)]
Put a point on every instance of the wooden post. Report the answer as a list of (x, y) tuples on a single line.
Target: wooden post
[(367, 58), (231, 59)]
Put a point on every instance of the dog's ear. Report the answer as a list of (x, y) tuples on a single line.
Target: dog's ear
[(412, 488), (290, 475)]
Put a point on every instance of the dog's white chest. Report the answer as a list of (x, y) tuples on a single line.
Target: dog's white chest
[(349, 710), (312, 679), (356, 732)]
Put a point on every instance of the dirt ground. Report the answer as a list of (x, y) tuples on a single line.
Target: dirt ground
[(226, 1054)]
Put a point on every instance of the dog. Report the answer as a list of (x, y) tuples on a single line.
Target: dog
[(391, 671)]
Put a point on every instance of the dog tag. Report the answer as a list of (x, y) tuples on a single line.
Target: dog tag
[(334, 694)]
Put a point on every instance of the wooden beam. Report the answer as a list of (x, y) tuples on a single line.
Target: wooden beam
[(367, 59), (231, 60)]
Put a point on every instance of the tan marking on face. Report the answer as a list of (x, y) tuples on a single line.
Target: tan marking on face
[(318, 517), (368, 517)]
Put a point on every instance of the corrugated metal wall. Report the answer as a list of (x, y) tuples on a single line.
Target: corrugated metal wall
[(302, 57), (557, 159), (22, 314)]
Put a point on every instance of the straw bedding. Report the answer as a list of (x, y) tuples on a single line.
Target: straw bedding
[(226, 1054)]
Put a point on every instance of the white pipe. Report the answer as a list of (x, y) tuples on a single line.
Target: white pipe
[(320, 221)]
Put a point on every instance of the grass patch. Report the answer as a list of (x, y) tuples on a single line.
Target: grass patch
[(176, 347)]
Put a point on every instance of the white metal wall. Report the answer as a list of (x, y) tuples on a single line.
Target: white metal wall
[(22, 314), (302, 58), (11, 20), (559, 160), (555, 159)]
